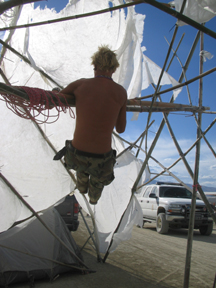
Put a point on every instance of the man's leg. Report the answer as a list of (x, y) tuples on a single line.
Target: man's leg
[(101, 174), (95, 190), (82, 182)]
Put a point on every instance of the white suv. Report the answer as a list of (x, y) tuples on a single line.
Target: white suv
[(168, 204)]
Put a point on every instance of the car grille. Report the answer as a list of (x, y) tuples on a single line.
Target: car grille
[(200, 212)]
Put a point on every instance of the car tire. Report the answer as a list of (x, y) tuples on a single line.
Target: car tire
[(207, 229), (162, 225)]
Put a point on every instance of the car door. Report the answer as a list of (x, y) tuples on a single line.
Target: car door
[(152, 203), (144, 201), (141, 195)]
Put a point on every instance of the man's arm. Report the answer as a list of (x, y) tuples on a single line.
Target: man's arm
[(121, 120), (71, 88)]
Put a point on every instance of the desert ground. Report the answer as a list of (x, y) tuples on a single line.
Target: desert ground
[(147, 260)]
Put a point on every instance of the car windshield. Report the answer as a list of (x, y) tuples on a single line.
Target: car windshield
[(174, 192)]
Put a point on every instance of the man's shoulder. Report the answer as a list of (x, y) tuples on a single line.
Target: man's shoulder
[(122, 90), (82, 79)]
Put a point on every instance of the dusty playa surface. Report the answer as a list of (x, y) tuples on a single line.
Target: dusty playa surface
[(147, 260)]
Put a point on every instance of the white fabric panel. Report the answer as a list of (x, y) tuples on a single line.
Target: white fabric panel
[(200, 11), (66, 57), (151, 74), (132, 216), (26, 162), (129, 75), (9, 201), (114, 201)]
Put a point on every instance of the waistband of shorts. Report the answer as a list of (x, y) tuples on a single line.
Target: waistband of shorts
[(88, 154)]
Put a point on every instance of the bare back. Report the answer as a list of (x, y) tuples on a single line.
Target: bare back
[(100, 106)]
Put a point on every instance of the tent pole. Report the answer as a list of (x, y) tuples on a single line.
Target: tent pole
[(195, 180), (89, 231), (4, 77), (10, 4), (214, 285), (192, 146), (143, 135), (140, 145), (95, 229), (174, 51), (44, 258), (17, 12)]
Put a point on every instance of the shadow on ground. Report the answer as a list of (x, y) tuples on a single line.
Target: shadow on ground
[(106, 275)]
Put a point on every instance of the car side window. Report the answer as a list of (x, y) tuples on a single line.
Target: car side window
[(143, 192), (155, 191), (147, 192)]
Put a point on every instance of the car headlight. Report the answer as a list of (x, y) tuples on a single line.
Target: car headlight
[(174, 208)]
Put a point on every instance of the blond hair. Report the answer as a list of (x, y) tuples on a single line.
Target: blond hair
[(105, 59)]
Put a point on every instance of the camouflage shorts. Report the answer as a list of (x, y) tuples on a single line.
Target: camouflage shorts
[(94, 171)]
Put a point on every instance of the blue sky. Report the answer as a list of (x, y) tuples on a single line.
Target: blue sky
[(157, 26)]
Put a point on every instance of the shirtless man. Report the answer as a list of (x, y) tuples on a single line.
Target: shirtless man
[(100, 106)]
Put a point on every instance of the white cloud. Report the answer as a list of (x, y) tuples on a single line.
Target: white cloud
[(213, 167)]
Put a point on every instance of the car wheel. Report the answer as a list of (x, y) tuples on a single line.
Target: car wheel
[(207, 229), (162, 225)]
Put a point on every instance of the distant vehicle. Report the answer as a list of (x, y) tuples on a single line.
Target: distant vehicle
[(69, 210), (169, 206), (211, 196)]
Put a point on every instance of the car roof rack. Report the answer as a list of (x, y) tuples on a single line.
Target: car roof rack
[(168, 183)]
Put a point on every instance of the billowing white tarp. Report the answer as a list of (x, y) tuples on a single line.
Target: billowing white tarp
[(63, 51), (200, 11), (152, 73), (114, 201)]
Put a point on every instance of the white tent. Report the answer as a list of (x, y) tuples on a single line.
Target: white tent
[(29, 251)]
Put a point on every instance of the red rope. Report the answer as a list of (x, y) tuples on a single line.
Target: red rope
[(40, 103)]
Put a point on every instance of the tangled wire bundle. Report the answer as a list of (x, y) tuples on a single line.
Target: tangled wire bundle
[(40, 103)]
